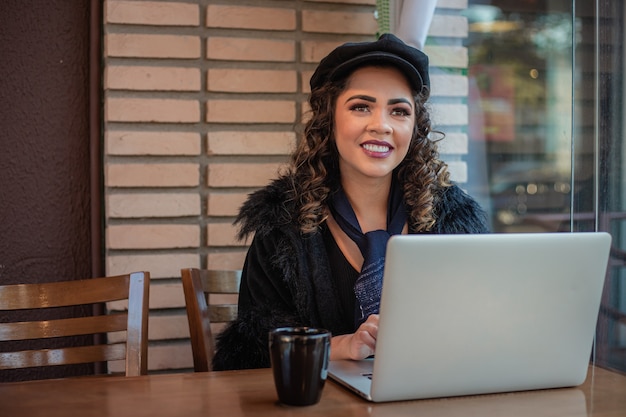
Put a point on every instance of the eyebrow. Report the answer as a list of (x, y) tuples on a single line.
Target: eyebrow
[(373, 99), (399, 100)]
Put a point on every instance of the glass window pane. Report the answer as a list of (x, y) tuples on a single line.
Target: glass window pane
[(520, 76), (545, 130)]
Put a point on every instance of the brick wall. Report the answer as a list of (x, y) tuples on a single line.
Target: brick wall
[(201, 100)]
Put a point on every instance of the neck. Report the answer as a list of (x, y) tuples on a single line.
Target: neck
[(369, 200)]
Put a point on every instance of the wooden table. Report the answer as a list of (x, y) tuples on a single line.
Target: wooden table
[(245, 393)]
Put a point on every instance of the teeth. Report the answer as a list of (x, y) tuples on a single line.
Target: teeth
[(376, 148)]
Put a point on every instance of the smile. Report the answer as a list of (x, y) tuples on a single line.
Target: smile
[(376, 148)]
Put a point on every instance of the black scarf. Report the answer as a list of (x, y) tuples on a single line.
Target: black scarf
[(368, 286)]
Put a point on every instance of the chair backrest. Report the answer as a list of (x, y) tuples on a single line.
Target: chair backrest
[(202, 288), (133, 287)]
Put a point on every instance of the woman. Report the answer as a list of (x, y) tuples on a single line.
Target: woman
[(365, 169)]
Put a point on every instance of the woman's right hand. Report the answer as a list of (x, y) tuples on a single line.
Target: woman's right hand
[(358, 345)]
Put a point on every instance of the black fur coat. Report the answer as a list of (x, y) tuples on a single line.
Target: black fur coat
[(286, 275)]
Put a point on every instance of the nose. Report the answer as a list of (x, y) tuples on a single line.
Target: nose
[(379, 123)]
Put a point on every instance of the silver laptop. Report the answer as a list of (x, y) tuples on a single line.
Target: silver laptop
[(478, 314)]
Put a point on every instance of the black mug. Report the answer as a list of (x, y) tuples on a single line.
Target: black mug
[(299, 357)]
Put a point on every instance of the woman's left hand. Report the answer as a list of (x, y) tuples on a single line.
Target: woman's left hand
[(358, 345)]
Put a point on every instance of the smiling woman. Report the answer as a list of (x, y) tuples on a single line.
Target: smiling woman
[(365, 169)]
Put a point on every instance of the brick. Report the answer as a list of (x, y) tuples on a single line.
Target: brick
[(162, 265), (448, 26), (222, 234), (453, 143), (168, 327), (152, 175), (152, 143), (114, 306), (153, 236), (152, 46), (241, 174), (458, 171), (449, 85), (170, 356), (251, 81), (250, 143), (152, 110), (118, 337), (449, 114), (314, 51), (250, 49), (142, 78), (306, 111), (224, 298), (118, 367), (447, 56), (306, 81), (152, 205), (224, 204), (248, 17), (452, 4), (369, 2), (167, 295), (227, 260), (152, 13), (251, 111), (352, 22)]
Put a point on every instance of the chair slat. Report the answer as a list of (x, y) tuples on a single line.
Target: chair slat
[(133, 287), (63, 327), (62, 356), (220, 281), (62, 294), (222, 313)]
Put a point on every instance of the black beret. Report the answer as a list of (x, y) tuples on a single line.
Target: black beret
[(388, 50)]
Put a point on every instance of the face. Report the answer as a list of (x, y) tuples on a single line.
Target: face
[(374, 119)]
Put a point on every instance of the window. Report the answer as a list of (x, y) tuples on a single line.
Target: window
[(546, 127)]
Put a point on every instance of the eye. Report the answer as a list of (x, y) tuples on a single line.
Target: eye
[(359, 107), (400, 111)]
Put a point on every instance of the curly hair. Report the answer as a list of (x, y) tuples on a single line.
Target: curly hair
[(315, 172)]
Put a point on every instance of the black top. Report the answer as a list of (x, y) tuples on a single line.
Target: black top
[(342, 273), (295, 279)]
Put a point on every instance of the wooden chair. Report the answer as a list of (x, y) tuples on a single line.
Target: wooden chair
[(202, 312), (132, 287)]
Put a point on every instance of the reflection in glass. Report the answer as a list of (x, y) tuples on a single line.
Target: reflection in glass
[(546, 129), (520, 101)]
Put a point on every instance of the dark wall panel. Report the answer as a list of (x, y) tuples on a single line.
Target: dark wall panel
[(44, 143)]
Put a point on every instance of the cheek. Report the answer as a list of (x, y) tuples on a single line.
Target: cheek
[(346, 130), (403, 142), (404, 136)]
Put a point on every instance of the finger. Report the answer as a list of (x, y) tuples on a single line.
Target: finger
[(363, 349), (371, 325), (374, 318), (366, 338)]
